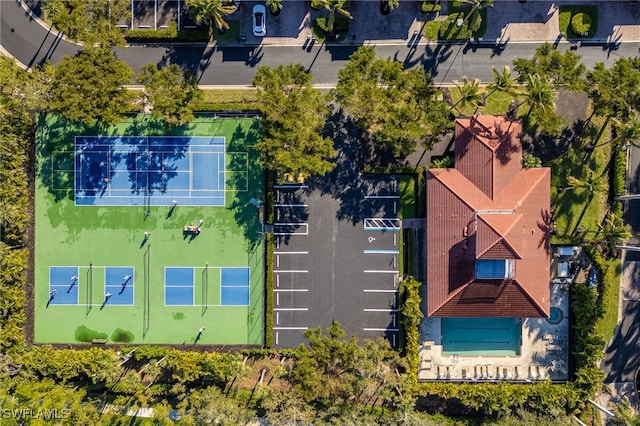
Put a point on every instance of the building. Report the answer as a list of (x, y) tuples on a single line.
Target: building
[(487, 227)]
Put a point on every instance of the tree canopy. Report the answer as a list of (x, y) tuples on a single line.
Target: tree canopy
[(87, 87), (565, 69), (90, 21), (295, 114), (397, 107), (171, 92), (615, 91), (211, 12)]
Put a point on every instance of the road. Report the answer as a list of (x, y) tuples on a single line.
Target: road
[(32, 44)]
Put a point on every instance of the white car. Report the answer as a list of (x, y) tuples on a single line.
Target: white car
[(259, 20)]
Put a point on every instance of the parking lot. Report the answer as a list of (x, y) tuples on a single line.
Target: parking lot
[(336, 256)]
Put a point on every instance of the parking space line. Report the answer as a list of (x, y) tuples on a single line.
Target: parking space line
[(277, 260), (370, 290), (299, 224), (277, 299), (290, 328), (290, 186), (395, 239), (290, 271), (392, 330), (277, 318), (291, 309), (381, 251), (376, 271), (395, 207), (380, 310), (292, 252), (277, 280), (291, 289), (381, 197)]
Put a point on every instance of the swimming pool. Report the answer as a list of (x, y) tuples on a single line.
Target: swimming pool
[(481, 336)]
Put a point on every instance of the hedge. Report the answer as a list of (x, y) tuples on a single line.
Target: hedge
[(169, 34), (581, 23), (618, 179)]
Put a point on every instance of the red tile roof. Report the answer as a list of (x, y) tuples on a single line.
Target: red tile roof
[(488, 207)]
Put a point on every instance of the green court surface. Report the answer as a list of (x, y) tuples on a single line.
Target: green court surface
[(103, 240), (481, 336)]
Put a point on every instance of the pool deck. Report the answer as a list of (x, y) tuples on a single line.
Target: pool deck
[(543, 355)]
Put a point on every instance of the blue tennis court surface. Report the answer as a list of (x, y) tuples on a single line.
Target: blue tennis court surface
[(63, 285), (234, 286), (179, 286), (119, 281), (481, 336), (150, 171)]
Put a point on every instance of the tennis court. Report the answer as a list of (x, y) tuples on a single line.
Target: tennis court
[(152, 171), (481, 336), (170, 243)]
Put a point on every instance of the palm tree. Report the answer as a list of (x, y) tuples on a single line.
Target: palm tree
[(334, 6), (592, 184), (503, 82), (474, 16), (470, 93), (389, 5), (211, 12), (625, 133), (275, 5), (540, 94), (613, 231)]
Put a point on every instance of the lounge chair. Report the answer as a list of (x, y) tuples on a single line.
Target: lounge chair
[(465, 374), (542, 372), (508, 374), (477, 372), (519, 372), (533, 372), (490, 370)]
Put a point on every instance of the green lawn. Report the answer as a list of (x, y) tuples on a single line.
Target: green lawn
[(448, 28), (231, 35), (228, 100), (109, 236), (564, 19), (576, 207), (496, 103)]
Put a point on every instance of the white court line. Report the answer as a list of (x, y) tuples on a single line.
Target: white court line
[(369, 290), (383, 197), (394, 330), (292, 252), (376, 271), (301, 271), (301, 290), (391, 310), (291, 309), (290, 328), (290, 205)]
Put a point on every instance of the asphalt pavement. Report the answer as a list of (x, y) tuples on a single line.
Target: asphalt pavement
[(31, 44)]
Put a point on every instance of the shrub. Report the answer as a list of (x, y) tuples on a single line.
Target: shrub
[(430, 6), (618, 176), (169, 34), (580, 23)]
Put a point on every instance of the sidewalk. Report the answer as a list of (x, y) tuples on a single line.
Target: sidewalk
[(507, 21)]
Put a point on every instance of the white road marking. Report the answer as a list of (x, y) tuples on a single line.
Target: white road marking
[(368, 290), (291, 309), (291, 289)]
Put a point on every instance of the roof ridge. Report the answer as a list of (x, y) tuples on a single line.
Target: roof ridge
[(533, 301), (451, 296)]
